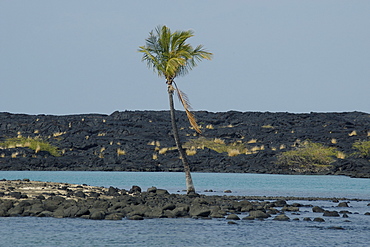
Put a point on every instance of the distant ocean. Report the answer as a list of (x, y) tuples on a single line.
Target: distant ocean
[(336, 231)]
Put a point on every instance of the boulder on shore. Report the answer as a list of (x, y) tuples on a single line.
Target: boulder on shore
[(331, 213)]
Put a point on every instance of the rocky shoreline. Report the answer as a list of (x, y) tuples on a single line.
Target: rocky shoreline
[(25, 198), (142, 141)]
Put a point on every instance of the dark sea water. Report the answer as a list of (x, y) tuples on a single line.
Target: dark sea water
[(335, 231)]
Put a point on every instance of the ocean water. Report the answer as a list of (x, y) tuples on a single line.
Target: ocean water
[(239, 183), (335, 231)]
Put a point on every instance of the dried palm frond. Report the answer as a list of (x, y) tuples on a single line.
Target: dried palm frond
[(186, 104)]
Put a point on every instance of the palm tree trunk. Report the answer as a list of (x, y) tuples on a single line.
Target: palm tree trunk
[(183, 157)]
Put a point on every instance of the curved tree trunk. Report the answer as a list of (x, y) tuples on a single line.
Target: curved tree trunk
[(183, 157)]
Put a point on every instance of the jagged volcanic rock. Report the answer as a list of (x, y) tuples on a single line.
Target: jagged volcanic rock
[(134, 140)]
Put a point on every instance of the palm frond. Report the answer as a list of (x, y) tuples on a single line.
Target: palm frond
[(179, 38), (186, 104), (169, 55)]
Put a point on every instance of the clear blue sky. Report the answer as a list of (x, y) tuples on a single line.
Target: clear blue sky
[(80, 56)]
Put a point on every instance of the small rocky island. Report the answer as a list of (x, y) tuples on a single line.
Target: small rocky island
[(61, 200), (242, 142)]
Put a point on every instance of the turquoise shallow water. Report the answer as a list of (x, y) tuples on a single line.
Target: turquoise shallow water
[(31, 231), (240, 184)]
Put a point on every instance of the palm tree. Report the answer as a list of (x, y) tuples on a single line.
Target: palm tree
[(170, 56)]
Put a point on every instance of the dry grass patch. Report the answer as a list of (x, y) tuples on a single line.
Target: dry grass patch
[(120, 152), (35, 144), (255, 149), (353, 133), (210, 126), (217, 145), (151, 143), (363, 148), (309, 154), (191, 152), (252, 141), (219, 141), (233, 152), (155, 143), (163, 150), (57, 134), (341, 155)]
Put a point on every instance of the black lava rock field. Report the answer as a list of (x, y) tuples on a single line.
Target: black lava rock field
[(244, 142)]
